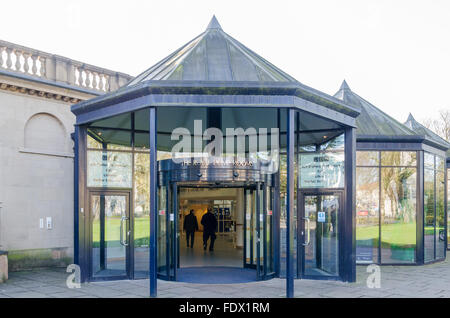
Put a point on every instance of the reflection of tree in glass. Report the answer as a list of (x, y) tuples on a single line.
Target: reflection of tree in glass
[(396, 185)]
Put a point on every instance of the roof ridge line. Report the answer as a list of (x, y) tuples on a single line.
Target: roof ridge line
[(381, 111)]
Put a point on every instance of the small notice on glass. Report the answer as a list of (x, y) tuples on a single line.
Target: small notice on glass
[(321, 217)]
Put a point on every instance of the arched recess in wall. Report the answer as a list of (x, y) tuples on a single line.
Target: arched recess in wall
[(45, 132)]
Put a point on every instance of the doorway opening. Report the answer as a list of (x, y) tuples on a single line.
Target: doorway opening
[(227, 206), (243, 248)]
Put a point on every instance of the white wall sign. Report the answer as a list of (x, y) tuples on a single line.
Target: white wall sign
[(322, 170), (109, 169)]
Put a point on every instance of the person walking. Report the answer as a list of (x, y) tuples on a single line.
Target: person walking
[(209, 223), (190, 226)]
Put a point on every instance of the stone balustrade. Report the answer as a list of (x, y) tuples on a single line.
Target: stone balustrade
[(27, 61)]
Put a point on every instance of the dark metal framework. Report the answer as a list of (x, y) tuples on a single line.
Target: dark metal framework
[(90, 114)]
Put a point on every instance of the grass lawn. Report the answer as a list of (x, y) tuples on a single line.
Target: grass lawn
[(112, 232), (392, 234)]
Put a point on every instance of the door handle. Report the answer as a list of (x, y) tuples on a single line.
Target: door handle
[(122, 242), (308, 231)]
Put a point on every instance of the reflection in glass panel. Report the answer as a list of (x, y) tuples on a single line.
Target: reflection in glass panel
[(336, 143), (440, 164), (367, 158), (120, 121), (428, 160), (367, 215), (398, 215), (93, 143), (111, 139), (142, 119), (269, 228), (141, 214), (398, 158), (141, 142), (162, 230), (440, 215), (448, 206), (429, 214)]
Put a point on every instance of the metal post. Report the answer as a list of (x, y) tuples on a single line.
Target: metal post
[(76, 200), (153, 205), (349, 249), (290, 205)]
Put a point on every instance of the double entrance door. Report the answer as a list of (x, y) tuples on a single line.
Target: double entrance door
[(258, 230), (319, 234)]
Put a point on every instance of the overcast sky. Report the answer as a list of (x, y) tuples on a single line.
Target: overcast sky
[(395, 54)]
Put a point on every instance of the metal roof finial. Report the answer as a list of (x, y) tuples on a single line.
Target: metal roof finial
[(214, 24), (344, 86)]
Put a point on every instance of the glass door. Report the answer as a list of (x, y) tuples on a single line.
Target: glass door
[(167, 231), (319, 234), (258, 224), (110, 235), (250, 251)]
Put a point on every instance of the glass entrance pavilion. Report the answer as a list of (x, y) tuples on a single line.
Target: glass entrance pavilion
[(215, 114), (400, 188), (319, 182)]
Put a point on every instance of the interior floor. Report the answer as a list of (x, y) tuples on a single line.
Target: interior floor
[(224, 254)]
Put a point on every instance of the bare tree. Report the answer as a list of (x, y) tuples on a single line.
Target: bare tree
[(441, 125)]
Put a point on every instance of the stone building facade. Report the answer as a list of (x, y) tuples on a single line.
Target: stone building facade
[(36, 151)]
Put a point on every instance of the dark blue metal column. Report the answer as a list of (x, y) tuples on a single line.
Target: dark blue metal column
[(153, 205), (81, 241), (76, 250), (349, 246), (290, 204)]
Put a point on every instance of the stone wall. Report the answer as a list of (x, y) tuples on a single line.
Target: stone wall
[(36, 151), (36, 180)]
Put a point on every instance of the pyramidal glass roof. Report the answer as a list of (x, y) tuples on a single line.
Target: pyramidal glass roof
[(371, 121), (417, 127), (214, 56)]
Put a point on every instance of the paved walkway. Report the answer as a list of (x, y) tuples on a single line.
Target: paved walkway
[(396, 281)]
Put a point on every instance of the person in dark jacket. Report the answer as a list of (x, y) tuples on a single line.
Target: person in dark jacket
[(209, 223), (190, 226)]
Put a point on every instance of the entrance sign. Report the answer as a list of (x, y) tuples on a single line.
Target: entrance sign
[(109, 169), (322, 170)]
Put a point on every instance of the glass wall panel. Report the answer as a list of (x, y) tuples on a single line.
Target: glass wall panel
[(429, 214), (386, 206), (398, 215), (448, 207), (367, 158), (118, 158), (141, 214), (367, 214), (440, 215), (434, 207), (398, 158)]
